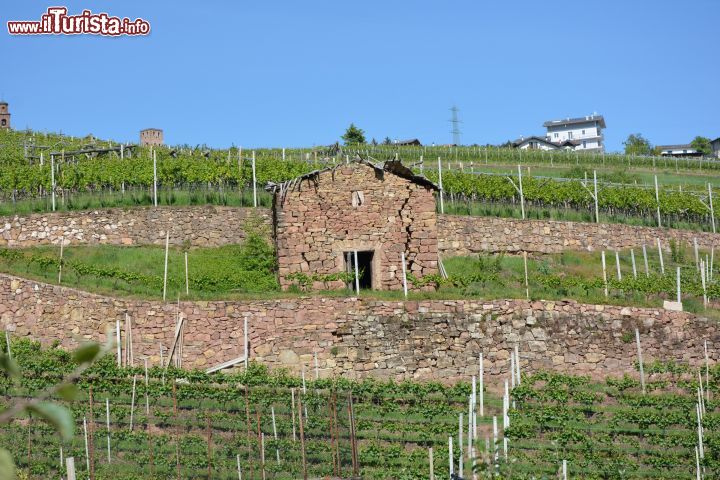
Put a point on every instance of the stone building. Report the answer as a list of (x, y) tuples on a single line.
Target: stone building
[(4, 115), (151, 136), (322, 219)]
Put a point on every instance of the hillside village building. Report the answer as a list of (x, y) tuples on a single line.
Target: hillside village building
[(151, 136), (4, 116), (681, 150), (582, 134), (323, 218), (715, 144)]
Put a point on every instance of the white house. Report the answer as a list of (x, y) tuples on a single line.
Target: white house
[(585, 133), (685, 150)]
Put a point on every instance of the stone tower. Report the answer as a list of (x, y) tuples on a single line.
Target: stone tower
[(4, 115), (151, 136)]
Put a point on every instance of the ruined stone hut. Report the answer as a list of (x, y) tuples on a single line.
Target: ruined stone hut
[(322, 218)]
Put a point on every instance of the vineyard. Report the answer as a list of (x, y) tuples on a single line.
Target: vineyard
[(247, 271), (167, 423), (199, 175)]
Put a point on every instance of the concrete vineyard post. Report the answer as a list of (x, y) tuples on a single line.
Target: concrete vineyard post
[(118, 344), (238, 467), (707, 371), (522, 196), (357, 274), (517, 363), (187, 277), (645, 259), (245, 340), (254, 180), (657, 201), (595, 197), (52, 180), (107, 426), (70, 468), (442, 206), (60, 263), (167, 251), (697, 254), (617, 265), (640, 360), (679, 297), (604, 272), (404, 274), (634, 266), (450, 456), (87, 447), (430, 461), (482, 388), (460, 445), (660, 255), (527, 286), (132, 402), (712, 211), (155, 202)]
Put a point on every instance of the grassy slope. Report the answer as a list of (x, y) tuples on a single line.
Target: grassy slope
[(225, 261)]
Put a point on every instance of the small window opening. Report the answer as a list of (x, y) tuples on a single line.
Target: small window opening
[(364, 261)]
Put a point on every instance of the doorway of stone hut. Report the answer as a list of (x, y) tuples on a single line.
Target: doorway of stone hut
[(364, 263)]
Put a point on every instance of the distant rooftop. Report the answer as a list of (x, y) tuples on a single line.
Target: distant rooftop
[(148, 129), (572, 121), (676, 147)]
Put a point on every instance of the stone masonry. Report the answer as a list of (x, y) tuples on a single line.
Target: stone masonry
[(356, 207), (205, 226), (215, 226), (368, 338)]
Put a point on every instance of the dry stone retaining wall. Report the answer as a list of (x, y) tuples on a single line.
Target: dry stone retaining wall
[(205, 226), (462, 235), (363, 337), (215, 226)]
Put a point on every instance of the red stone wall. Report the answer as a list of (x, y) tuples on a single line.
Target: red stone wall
[(317, 223)]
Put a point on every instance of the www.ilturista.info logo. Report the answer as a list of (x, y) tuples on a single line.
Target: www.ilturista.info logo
[(57, 22)]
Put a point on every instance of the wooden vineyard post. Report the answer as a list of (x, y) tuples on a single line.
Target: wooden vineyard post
[(640, 360), (302, 438), (353, 438), (177, 429)]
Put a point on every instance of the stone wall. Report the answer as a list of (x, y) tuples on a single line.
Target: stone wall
[(362, 337), (214, 226), (356, 207), (205, 226), (462, 235)]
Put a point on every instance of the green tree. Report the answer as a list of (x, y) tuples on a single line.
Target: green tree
[(636, 144), (354, 135), (387, 141), (702, 144)]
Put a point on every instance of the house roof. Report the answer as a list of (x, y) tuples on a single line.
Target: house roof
[(676, 147), (409, 141), (717, 140), (149, 129), (391, 166), (572, 121), (522, 140)]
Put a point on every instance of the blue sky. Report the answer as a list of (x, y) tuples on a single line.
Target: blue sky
[(297, 73)]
